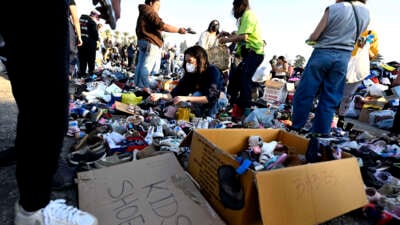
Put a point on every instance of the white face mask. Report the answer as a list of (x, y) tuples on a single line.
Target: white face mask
[(190, 68)]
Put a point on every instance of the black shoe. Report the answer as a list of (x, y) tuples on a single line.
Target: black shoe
[(313, 154), (8, 157)]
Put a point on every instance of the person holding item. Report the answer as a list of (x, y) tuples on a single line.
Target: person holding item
[(208, 38), (325, 72), (251, 48), (349, 88), (201, 84), (149, 28)]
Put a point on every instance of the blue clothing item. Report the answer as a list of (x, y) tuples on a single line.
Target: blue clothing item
[(325, 74), (203, 110), (148, 62), (208, 84)]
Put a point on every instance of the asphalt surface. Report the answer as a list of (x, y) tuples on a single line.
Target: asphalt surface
[(8, 186)]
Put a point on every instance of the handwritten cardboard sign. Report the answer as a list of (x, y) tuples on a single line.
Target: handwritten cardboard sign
[(151, 191)]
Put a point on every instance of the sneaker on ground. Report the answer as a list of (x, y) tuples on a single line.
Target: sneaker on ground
[(56, 212)]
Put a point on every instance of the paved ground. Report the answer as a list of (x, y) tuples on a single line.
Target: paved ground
[(8, 188)]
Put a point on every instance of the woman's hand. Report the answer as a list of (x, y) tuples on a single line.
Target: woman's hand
[(179, 99), (156, 96)]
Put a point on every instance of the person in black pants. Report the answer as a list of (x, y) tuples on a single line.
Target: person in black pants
[(39, 139), (90, 36)]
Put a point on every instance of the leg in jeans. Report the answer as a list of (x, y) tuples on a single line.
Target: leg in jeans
[(149, 54), (331, 91), (307, 89), (39, 139)]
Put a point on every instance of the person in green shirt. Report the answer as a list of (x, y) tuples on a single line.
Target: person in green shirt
[(251, 48)]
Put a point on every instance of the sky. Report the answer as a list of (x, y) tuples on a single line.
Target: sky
[(285, 24)]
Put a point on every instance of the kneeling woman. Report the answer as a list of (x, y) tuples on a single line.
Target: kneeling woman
[(201, 84)]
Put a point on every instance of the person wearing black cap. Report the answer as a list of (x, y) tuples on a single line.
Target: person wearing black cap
[(90, 37)]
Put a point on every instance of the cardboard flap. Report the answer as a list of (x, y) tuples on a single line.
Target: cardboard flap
[(310, 194), (274, 84), (151, 191), (123, 107)]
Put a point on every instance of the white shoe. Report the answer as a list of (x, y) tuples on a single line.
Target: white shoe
[(158, 132), (55, 213), (149, 136)]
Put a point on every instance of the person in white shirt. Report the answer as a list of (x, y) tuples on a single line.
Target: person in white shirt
[(208, 38)]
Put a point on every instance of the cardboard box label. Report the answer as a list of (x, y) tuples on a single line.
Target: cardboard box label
[(275, 91), (151, 191)]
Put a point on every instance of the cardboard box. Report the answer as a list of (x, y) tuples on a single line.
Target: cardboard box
[(275, 91), (299, 195), (153, 191)]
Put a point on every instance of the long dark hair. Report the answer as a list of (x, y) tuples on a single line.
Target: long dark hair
[(200, 55), (213, 26), (239, 6)]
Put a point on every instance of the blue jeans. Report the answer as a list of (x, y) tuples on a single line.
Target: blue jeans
[(148, 62), (325, 74), (203, 110)]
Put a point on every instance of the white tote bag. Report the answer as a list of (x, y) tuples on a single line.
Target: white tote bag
[(263, 72), (359, 65)]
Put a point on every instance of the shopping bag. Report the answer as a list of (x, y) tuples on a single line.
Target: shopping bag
[(263, 72), (359, 65), (219, 56)]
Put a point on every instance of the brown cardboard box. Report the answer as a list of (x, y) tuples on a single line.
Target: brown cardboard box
[(299, 195), (275, 91), (150, 191)]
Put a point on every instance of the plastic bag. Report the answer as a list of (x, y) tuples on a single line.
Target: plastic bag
[(359, 65), (263, 72)]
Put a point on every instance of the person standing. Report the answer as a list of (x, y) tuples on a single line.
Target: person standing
[(251, 48), (325, 72), (281, 68), (37, 155), (208, 38), (75, 37), (131, 52), (371, 37), (90, 37), (149, 29)]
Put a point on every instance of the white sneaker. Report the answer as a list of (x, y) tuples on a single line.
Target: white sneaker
[(158, 132), (55, 213)]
